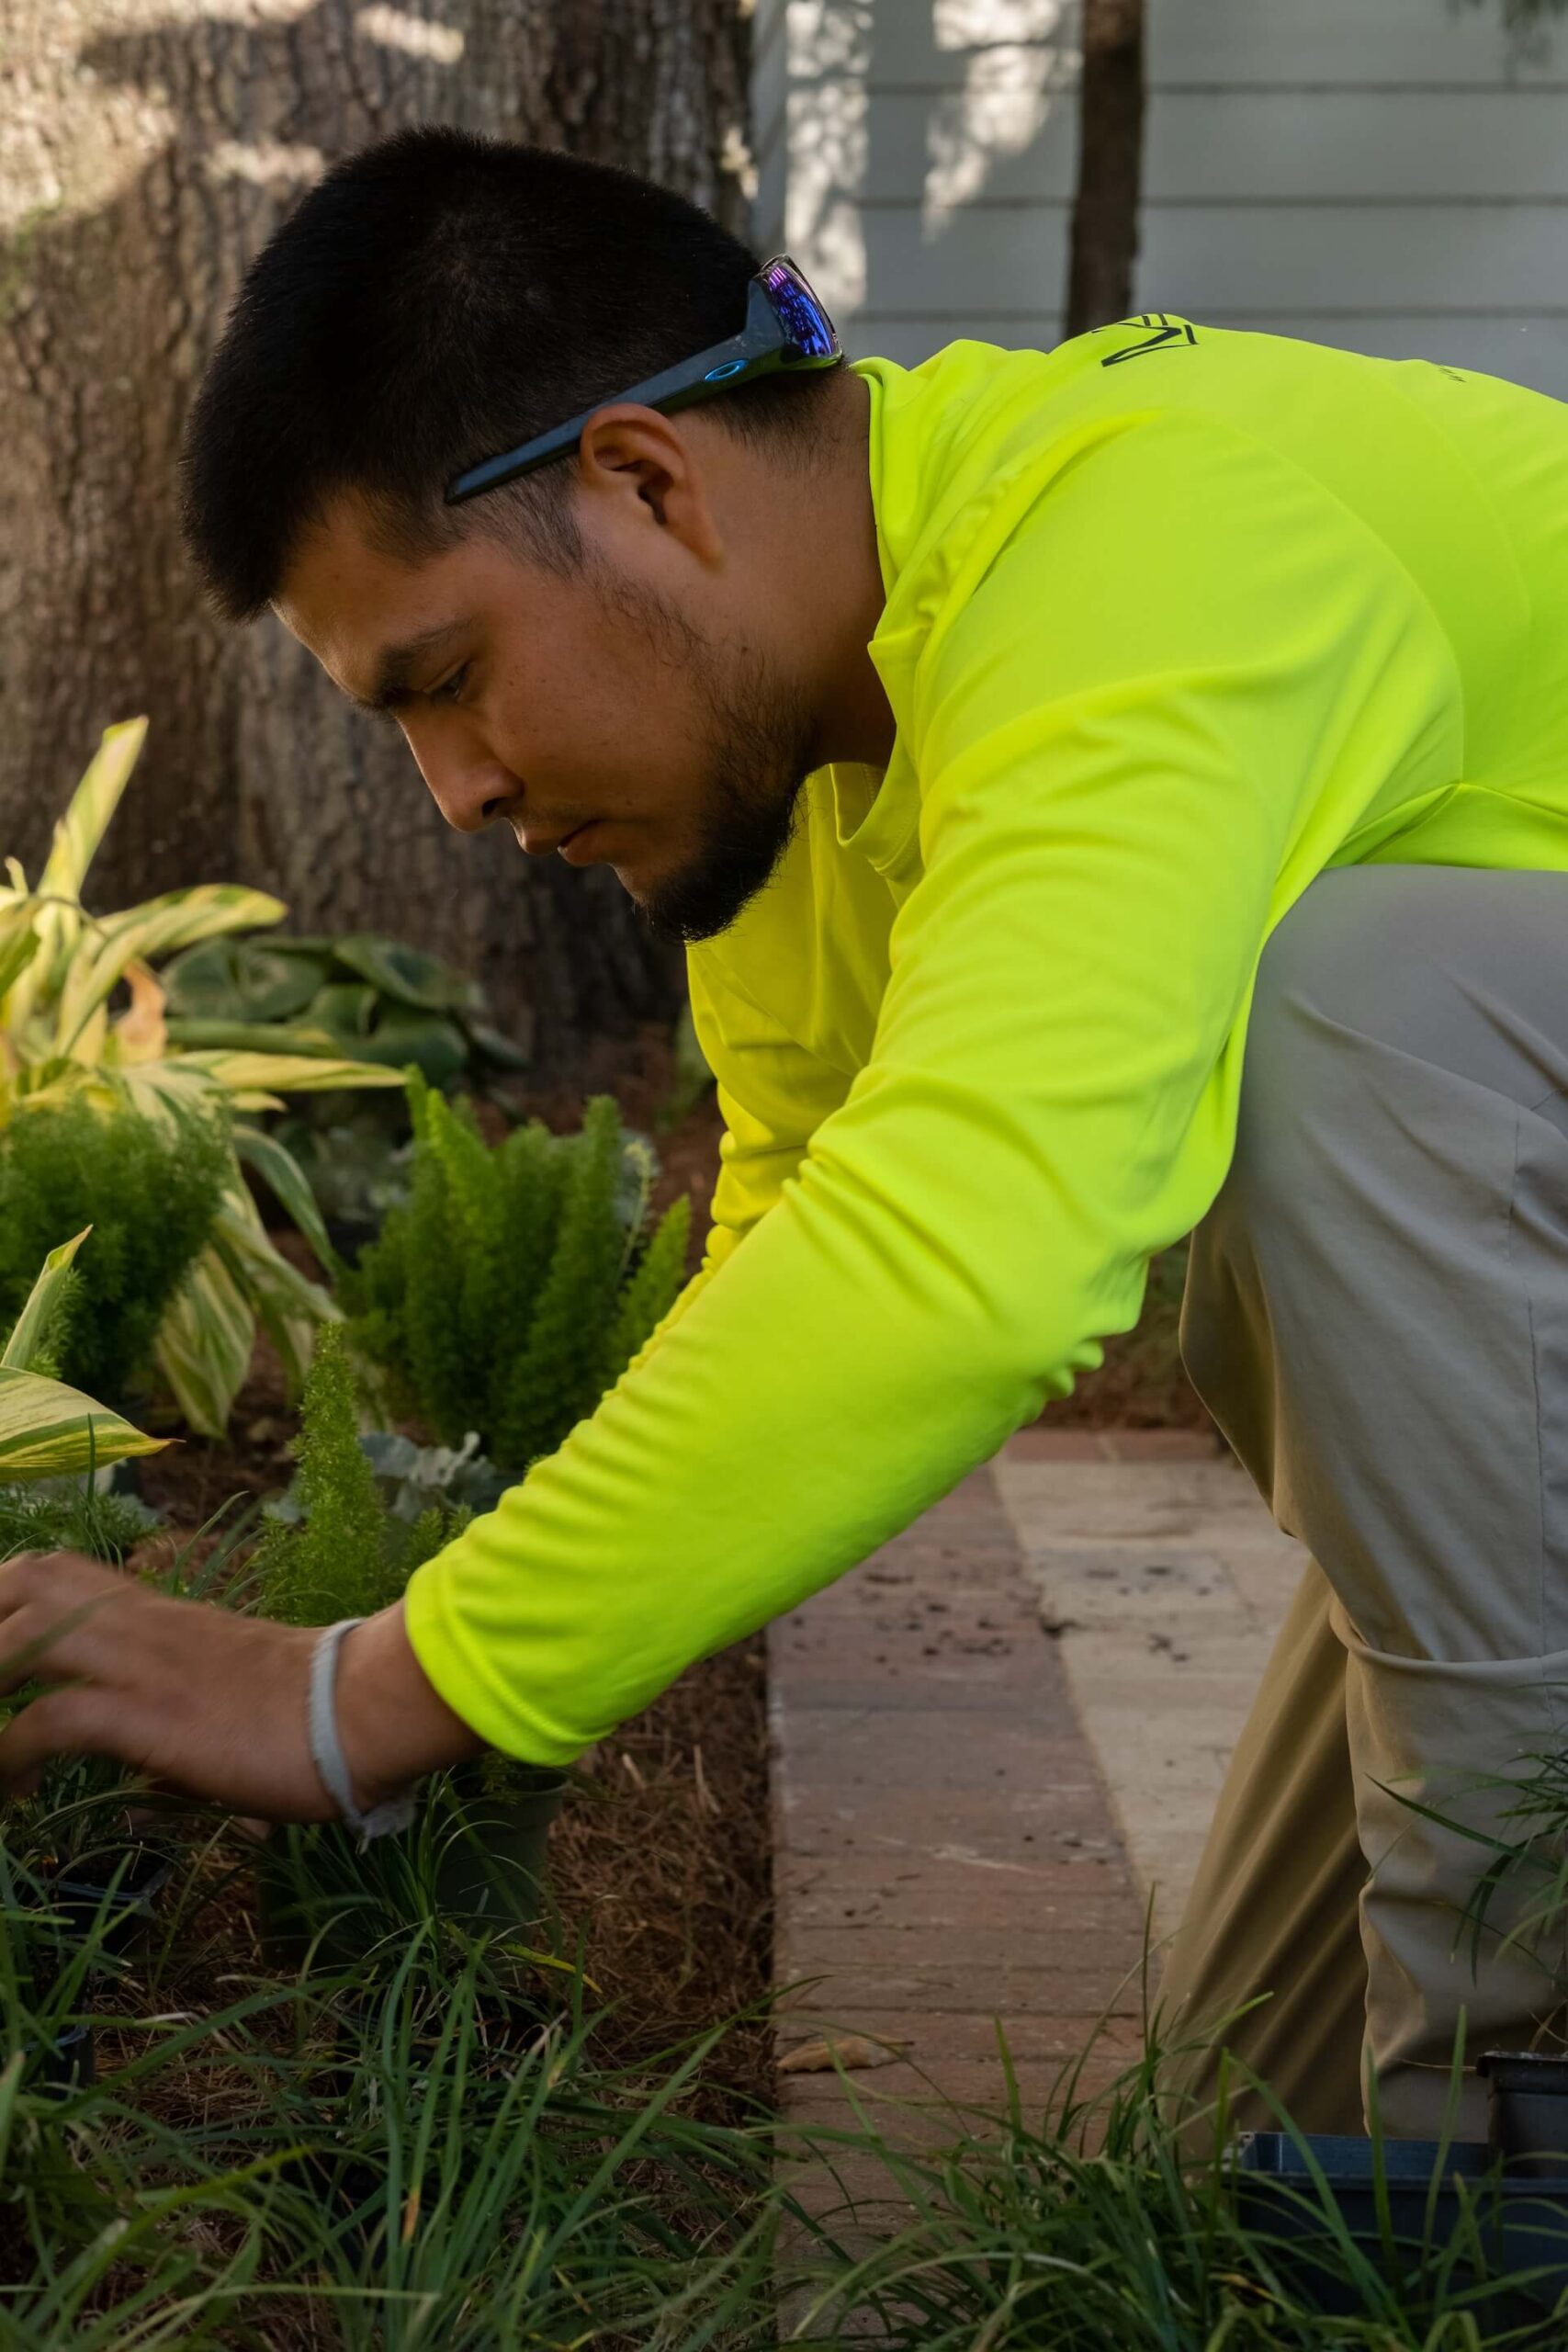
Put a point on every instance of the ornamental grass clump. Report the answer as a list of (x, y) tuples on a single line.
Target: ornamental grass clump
[(519, 1281), (379, 2170), (149, 1189)]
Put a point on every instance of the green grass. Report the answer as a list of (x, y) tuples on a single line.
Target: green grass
[(1084, 2230), (422, 2149), (375, 2157)]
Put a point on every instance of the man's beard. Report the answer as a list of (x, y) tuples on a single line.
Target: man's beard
[(759, 754), (759, 758)]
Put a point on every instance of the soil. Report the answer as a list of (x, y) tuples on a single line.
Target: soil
[(661, 1862)]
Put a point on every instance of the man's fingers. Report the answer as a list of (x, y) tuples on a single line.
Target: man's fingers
[(51, 1637), (68, 1574), (70, 1721)]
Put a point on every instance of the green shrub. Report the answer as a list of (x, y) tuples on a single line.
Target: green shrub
[(340, 1552), (149, 1188), (70, 1515), (518, 1282)]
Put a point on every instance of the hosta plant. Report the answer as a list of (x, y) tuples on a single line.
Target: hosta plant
[(82, 1013), (378, 998), (519, 1281)]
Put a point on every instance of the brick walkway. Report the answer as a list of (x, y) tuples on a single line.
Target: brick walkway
[(946, 1855)]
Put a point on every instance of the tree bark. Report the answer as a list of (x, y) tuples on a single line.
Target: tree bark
[(152, 146), (1111, 159)]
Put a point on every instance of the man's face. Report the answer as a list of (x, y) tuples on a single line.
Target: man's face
[(605, 714)]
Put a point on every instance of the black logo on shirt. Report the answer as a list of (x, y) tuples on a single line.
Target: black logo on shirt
[(1162, 331)]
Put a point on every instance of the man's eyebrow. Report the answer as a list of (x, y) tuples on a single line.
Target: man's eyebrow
[(396, 663)]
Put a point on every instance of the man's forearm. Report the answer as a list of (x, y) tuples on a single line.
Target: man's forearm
[(205, 1700), (393, 1723)]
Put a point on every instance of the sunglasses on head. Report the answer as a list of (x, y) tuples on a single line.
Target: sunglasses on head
[(786, 330)]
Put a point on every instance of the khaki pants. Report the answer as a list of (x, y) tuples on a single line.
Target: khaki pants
[(1377, 1317)]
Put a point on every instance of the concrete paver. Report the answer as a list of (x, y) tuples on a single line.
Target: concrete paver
[(1163, 1583)]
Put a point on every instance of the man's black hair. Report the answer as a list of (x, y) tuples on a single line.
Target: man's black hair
[(436, 298)]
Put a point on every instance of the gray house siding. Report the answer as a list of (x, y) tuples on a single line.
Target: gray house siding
[(1390, 174)]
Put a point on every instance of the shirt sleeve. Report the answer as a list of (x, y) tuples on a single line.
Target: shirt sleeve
[(1177, 680), (773, 1095)]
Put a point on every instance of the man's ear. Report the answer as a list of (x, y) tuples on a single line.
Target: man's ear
[(630, 451)]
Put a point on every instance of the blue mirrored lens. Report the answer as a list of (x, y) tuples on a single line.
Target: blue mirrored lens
[(805, 322)]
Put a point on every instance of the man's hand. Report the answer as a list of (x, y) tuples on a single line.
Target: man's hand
[(210, 1702)]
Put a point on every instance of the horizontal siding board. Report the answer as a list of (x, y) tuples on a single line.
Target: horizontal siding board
[(1389, 145), (1265, 44), (914, 39), (908, 340), (913, 139), (1419, 42), (1244, 146), (1394, 257), (1387, 257)]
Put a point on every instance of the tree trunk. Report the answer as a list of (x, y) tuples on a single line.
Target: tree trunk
[(151, 147), (1111, 162)]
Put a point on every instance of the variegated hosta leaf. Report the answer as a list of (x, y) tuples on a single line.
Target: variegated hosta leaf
[(291, 1306), (254, 1037), (94, 802), (178, 919), (87, 1045), (278, 1167), (41, 1085), (76, 838), (48, 1430), (288, 1073), (26, 1331), (19, 942), (205, 1343)]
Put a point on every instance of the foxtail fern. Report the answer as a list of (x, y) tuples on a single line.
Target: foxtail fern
[(519, 1281)]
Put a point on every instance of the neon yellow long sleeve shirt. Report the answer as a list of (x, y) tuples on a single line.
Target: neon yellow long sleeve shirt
[(1175, 619)]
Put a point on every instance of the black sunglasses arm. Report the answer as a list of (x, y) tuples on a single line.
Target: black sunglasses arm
[(761, 339)]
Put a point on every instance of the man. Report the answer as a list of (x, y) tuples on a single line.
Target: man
[(975, 726)]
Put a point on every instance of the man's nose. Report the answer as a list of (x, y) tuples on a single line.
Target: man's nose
[(470, 789)]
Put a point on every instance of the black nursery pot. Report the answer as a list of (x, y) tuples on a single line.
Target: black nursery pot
[(493, 1867), (120, 1885), (1421, 2213), (72, 2061), (1529, 2111)]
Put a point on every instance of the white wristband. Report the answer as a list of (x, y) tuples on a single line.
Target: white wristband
[(326, 1749)]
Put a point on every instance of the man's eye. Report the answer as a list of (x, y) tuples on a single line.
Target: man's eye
[(451, 689)]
